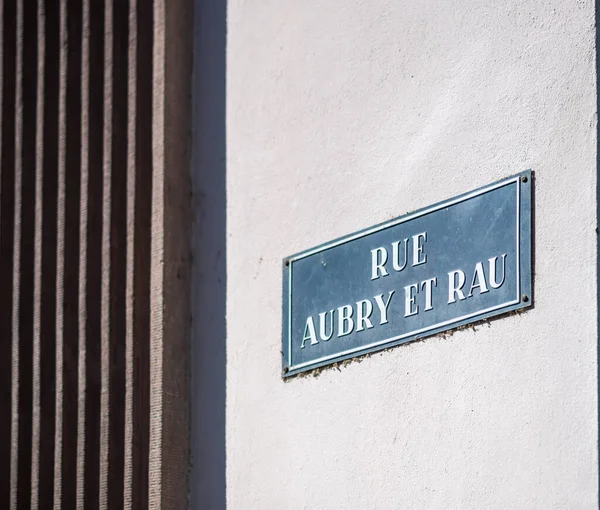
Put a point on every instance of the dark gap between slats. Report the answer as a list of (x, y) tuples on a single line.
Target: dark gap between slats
[(7, 218), (48, 263), (27, 225), (93, 269), (118, 254), (71, 256), (142, 250)]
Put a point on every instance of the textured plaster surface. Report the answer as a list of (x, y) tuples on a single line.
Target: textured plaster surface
[(343, 114)]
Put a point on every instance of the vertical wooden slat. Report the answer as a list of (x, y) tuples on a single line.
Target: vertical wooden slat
[(139, 215), (16, 280), (22, 326), (106, 260), (170, 318), (114, 255), (130, 383), (39, 182), (37, 268), (83, 255), (60, 249), (157, 253), (7, 187), (68, 256), (45, 254), (90, 303)]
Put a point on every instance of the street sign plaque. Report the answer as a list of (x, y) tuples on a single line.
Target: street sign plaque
[(450, 264)]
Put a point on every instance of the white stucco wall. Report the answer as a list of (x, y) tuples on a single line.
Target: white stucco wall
[(344, 113)]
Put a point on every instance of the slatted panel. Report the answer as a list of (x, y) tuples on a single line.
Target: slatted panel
[(94, 321), (23, 260)]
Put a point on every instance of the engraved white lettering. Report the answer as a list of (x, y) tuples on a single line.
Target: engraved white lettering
[(418, 244), (410, 300), (345, 322), (427, 285), (479, 277), (378, 259), (494, 284), (396, 255), (309, 333), (383, 306), (364, 309), (323, 325), (454, 287), (379, 256)]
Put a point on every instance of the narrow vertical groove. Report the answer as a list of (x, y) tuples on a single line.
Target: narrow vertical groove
[(105, 409), (91, 322), (139, 245), (114, 255), (68, 267), (22, 326), (60, 244), (83, 230), (45, 274), (7, 219), (37, 270), (18, 177), (131, 363), (35, 441), (118, 250)]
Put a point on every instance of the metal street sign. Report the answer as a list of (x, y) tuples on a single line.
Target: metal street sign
[(450, 264)]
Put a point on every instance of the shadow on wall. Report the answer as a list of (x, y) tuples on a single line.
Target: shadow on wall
[(209, 278)]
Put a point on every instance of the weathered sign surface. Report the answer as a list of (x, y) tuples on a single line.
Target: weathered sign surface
[(447, 265)]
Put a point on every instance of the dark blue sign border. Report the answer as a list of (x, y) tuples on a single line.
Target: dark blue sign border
[(522, 300)]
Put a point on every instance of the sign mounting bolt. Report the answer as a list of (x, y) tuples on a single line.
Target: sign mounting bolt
[(287, 262), (524, 298), (524, 178)]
